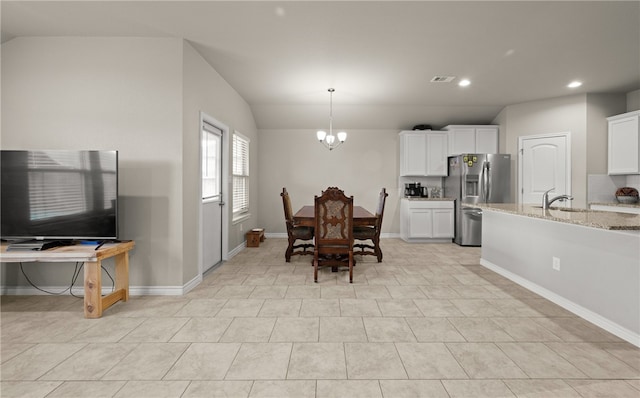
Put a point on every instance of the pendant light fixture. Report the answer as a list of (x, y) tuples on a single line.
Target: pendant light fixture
[(329, 140)]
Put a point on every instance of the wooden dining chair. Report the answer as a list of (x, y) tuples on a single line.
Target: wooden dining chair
[(333, 231), (295, 232), (371, 232)]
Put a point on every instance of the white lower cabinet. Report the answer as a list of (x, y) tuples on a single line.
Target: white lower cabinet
[(443, 223), (419, 223), (426, 220)]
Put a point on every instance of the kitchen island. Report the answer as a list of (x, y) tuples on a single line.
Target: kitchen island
[(585, 261)]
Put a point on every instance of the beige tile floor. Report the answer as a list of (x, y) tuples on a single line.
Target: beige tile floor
[(426, 322)]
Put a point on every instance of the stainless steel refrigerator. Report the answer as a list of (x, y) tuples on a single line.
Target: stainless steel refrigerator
[(476, 178)]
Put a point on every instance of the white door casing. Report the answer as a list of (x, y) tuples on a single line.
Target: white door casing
[(213, 216), (544, 162)]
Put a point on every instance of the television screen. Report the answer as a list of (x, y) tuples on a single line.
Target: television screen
[(59, 194)]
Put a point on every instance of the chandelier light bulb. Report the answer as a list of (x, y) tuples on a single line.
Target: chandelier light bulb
[(342, 136), (321, 134), (330, 139)]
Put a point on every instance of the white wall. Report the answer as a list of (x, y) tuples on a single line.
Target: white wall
[(583, 115), (365, 163), (633, 101), (107, 93), (550, 116), (142, 97), (205, 90), (599, 108)]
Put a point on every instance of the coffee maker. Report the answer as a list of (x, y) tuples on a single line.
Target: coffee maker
[(414, 190)]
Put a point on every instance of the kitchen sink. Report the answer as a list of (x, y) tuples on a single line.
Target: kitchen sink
[(566, 209), (570, 209)]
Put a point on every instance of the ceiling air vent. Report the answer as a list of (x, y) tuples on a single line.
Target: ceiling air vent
[(442, 79)]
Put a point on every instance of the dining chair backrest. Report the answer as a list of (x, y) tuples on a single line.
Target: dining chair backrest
[(380, 209), (295, 232), (286, 202), (334, 220)]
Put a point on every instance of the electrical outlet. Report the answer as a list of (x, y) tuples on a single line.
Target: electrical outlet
[(556, 263), (241, 228)]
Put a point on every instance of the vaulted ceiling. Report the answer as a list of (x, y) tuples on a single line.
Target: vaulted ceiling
[(379, 56)]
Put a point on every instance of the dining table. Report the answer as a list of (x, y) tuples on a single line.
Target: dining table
[(361, 216)]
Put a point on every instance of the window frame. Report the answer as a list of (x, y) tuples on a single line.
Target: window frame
[(240, 171), (210, 131)]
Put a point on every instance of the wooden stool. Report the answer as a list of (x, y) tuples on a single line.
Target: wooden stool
[(254, 237)]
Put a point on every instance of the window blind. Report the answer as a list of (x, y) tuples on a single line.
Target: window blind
[(240, 174)]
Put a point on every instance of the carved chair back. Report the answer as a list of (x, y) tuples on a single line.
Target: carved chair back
[(334, 220)]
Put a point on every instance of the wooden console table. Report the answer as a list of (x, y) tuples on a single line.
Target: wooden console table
[(94, 302)]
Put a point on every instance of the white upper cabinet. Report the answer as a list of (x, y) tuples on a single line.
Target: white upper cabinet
[(423, 153), (461, 140), (487, 139), (624, 143), (436, 153), (472, 139), (413, 153)]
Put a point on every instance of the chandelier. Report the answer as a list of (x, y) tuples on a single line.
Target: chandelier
[(329, 140)]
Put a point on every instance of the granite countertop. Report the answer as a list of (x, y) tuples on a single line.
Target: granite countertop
[(433, 199), (617, 204), (588, 218)]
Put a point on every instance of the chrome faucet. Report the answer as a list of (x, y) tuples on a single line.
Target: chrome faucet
[(546, 202)]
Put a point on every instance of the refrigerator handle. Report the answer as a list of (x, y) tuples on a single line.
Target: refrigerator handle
[(486, 181), (463, 184)]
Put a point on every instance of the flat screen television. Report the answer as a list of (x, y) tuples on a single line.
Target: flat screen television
[(59, 195)]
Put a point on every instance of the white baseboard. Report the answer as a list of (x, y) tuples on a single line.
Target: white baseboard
[(79, 290), (190, 285), (236, 250), (428, 240), (582, 312), (156, 290), (282, 235)]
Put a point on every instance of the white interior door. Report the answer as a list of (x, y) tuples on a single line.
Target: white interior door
[(212, 199), (544, 163)]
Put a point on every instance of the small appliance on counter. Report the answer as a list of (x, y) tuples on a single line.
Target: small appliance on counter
[(415, 190)]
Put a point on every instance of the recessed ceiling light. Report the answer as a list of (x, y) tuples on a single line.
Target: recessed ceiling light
[(464, 83), (574, 84)]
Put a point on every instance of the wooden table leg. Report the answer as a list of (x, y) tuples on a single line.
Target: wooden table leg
[(122, 274), (94, 303), (92, 290)]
